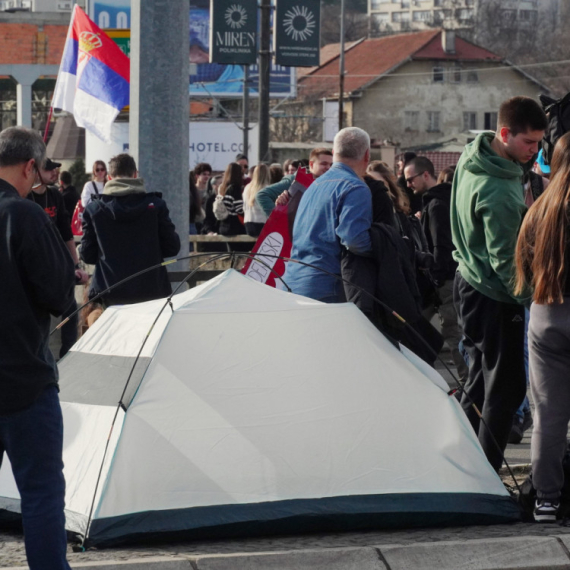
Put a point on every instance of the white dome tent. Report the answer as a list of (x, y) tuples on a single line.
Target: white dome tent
[(255, 410)]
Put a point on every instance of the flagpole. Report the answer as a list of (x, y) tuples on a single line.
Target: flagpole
[(48, 122)]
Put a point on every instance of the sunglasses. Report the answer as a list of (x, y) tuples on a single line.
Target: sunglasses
[(408, 180), (100, 170)]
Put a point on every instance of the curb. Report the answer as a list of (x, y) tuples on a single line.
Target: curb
[(151, 563), (521, 553)]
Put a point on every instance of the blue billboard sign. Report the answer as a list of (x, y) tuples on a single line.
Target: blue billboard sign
[(224, 81), (206, 79)]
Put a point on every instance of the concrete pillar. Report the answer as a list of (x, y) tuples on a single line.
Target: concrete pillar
[(158, 130), (25, 76), (24, 103)]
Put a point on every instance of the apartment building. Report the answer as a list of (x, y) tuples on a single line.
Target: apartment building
[(393, 16), (36, 5)]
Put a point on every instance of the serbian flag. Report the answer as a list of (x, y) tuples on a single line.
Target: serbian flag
[(276, 237), (93, 79)]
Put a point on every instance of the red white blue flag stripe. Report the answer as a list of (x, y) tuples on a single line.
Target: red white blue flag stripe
[(93, 79)]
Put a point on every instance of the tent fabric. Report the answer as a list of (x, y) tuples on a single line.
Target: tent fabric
[(253, 408)]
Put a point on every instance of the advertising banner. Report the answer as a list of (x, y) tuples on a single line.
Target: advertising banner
[(218, 143), (296, 33), (233, 31), (226, 81), (206, 79)]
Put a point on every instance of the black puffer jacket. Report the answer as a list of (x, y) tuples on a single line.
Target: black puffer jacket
[(389, 275), (126, 233), (437, 228)]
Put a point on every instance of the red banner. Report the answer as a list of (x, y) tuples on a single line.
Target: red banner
[(276, 237)]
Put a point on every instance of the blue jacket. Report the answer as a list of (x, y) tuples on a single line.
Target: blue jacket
[(335, 212)]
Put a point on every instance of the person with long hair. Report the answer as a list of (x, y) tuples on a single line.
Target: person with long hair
[(195, 208), (409, 228), (228, 205), (96, 184), (254, 216), (542, 262), (381, 171)]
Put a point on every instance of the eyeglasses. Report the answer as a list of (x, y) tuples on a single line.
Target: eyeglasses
[(100, 170), (408, 180)]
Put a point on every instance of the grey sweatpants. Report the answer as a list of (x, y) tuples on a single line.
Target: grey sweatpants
[(549, 369)]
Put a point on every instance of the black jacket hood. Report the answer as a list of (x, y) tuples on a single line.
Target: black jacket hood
[(440, 192), (127, 207)]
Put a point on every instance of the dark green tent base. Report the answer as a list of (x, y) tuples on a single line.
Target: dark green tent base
[(335, 514)]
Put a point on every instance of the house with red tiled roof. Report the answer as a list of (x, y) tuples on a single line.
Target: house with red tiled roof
[(412, 89)]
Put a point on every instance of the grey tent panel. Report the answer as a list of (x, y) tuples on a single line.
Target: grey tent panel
[(99, 379)]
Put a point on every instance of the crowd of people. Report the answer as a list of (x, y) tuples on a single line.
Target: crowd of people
[(478, 244)]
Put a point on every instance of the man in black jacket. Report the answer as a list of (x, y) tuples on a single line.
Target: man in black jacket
[(37, 279), (435, 217), (46, 195), (126, 230)]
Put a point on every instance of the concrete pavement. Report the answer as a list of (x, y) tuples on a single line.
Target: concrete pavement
[(517, 546)]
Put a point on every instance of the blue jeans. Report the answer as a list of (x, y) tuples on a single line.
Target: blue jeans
[(33, 441), (525, 406)]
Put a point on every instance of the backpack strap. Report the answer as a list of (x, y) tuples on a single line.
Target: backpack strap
[(536, 184), (95, 187)]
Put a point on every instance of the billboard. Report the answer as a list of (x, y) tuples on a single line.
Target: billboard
[(110, 13), (296, 35), (216, 143), (206, 79), (233, 31), (226, 81)]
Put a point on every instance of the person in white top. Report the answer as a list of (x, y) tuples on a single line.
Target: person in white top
[(96, 184), (254, 217)]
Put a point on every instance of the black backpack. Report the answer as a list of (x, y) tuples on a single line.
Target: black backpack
[(558, 113)]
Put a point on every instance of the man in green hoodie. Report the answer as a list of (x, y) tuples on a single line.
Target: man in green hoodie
[(487, 208)]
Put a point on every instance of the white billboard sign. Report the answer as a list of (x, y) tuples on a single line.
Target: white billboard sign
[(216, 143)]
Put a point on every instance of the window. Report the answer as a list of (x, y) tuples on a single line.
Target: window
[(421, 16), (412, 120), (528, 15), (400, 16), (508, 17), (437, 3), (438, 74), (490, 122), (455, 74), (440, 15), (376, 4), (469, 121), (405, 3), (472, 76), (464, 14), (433, 121), (380, 18)]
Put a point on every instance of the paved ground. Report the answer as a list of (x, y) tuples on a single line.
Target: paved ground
[(12, 551)]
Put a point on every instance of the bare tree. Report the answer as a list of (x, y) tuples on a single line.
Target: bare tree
[(355, 25)]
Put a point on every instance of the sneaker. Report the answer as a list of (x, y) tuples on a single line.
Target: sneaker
[(527, 421), (517, 431), (545, 511)]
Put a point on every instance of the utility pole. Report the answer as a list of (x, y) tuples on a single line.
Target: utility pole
[(264, 61), (341, 70), (159, 81), (245, 110)]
